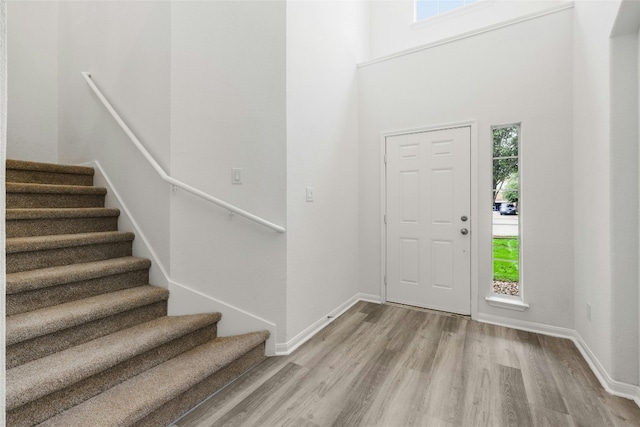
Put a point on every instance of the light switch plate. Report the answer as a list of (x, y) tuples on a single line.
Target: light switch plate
[(236, 176), (310, 194)]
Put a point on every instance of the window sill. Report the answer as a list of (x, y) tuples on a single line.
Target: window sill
[(502, 302)]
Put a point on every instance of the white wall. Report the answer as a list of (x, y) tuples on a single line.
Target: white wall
[(624, 191), (325, 41), (592, 169), (125, 45), (228, 105), (624, 207), (606, 165), (202, 85), (32, 129), (520, 73), (393, 30)]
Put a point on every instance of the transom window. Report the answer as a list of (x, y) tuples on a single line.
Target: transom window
[(429, 8)]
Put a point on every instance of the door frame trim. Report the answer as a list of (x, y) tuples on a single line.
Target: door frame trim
[(474, 223)]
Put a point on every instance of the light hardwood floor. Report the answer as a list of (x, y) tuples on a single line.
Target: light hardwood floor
[(385, 365)]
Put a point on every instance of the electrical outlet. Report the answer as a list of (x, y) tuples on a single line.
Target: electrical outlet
[(589, 312)]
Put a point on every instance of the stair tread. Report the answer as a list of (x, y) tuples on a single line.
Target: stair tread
[(24, 326), (48, 167), (102, 318), (45, 277), (23, 187), (133, 399), (51, 373), (25, 244), (52, 213)]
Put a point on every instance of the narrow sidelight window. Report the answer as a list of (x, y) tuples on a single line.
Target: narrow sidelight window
[(506, 211)]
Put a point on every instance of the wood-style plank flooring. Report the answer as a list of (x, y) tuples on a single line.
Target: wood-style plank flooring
[(386, 365)]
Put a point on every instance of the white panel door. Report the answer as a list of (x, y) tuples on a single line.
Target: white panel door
[(428, 221)]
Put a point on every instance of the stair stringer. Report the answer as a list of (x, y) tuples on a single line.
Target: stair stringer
[(183, 300)]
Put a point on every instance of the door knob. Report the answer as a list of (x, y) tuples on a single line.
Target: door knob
[(464, 231)]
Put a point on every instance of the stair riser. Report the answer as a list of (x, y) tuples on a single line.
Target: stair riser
[(33, 300), (45, 345), (40, 177), (47, 406), (168, 412), (31, 260), (48, 227), (47, 200)]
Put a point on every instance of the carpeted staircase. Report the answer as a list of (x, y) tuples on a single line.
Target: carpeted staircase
[(89, 342)]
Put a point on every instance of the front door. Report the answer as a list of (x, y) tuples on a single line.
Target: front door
[(428, 219)]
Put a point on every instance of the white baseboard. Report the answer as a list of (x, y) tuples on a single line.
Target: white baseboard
[(616, 388), (287, 348), (523, 325)]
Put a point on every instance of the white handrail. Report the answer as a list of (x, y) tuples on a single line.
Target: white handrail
[(163, 175)]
